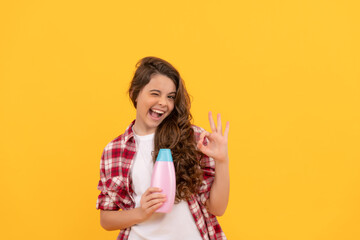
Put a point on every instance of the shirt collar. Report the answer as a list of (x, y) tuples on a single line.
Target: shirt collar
[(129, 133)]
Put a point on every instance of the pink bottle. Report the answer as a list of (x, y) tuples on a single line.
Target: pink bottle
[(163, 177)]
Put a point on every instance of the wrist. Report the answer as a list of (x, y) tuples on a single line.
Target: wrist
[(140, 215)]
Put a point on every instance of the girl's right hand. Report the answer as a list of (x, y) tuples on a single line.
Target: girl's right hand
[(150, 201)]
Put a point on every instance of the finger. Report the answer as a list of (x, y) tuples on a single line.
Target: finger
[(200, 144), (152, 198), (226, 133), (151, 190), (154, 202), (219, 126), (204, 134), (155, 207), (155, 196), (211, 121)]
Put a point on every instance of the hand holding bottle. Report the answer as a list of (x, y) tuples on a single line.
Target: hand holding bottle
[(150, 201)]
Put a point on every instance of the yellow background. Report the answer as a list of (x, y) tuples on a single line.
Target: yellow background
[(284, 73)]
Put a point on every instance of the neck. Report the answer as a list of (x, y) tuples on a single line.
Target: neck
[(141, 131)]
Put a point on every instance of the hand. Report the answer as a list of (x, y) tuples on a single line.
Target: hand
[(217, 146), (150, 201)]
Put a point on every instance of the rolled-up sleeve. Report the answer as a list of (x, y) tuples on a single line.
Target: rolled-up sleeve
[(208, 168), (107, 198)]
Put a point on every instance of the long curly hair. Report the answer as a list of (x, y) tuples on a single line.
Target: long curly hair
[(175, 131)]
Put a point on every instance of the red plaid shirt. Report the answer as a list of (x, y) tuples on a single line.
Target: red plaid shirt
[(116, 186)]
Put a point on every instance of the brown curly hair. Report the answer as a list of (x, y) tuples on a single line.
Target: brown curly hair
[(175, 132)]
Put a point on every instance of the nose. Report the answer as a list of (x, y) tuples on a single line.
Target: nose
[(163, 101)]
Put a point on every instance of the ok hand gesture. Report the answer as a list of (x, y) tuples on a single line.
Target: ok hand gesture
[(217, 145)]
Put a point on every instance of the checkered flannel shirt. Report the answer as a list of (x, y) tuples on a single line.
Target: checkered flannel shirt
[(116, 186)]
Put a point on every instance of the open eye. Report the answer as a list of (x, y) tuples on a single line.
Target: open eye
[(171, 97)]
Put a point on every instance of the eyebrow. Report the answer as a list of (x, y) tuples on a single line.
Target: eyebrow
[(155, 90)]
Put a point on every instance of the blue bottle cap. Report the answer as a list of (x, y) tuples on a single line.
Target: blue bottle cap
[(164, 155)]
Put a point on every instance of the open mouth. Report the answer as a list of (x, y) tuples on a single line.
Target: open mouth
[(156, 113)]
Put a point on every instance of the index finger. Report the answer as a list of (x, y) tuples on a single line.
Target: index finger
[(211, 121), (152, 190)]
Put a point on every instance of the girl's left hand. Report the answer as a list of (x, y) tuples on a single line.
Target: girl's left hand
[(217, 145)]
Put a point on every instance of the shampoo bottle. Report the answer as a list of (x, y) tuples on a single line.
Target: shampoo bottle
[(163, 177)]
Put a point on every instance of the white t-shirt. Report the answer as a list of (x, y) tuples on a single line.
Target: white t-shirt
[(178, 224)]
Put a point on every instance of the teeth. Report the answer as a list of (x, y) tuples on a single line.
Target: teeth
[(157, 111)]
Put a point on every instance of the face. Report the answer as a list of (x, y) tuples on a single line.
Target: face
[(154, 103)]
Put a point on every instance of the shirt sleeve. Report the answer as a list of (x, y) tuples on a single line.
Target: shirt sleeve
[(107, 198), (208, 167)]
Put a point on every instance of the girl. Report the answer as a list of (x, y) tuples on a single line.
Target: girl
[(163, 120)]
